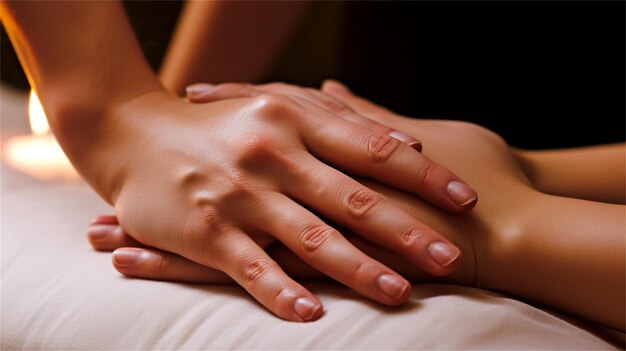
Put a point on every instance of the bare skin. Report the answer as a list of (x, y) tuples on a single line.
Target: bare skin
[(227, 41), (218, 182), (559, 252), (574, 172)]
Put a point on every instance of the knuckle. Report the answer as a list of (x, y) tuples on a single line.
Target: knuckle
[(363, 272), (254, 270), (263, 155), (430, 173), (256, 146), (381, 147), (410, 236), (273, 108), (361, 202), (314, 238)]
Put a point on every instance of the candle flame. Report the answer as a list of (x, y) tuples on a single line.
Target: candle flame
[(38, 122), (38, 154)]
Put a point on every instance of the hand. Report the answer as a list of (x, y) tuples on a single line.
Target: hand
[(467, 232), (217, 190), (464, 199), (204, 92)]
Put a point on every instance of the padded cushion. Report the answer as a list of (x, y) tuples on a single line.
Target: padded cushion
[(57, 293)]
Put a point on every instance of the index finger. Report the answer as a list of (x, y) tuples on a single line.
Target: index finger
[(361, 151)]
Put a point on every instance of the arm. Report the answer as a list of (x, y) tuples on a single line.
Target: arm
[(567, 254), (221, 41), (80, 71), (593, 173)]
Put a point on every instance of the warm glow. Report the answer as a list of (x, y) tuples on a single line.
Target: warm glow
[(38, 154), (38, 123)]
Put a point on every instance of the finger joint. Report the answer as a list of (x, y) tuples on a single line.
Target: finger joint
[(255, 269), (381, 147), (315, 237), (361, 203)]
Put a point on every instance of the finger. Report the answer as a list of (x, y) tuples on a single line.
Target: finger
[(339, 108), (108, 237), (247, 264), (104, 219), (203, 92), (357, 103), (161, 265), (363, 152), (369, 214), (327, 250)]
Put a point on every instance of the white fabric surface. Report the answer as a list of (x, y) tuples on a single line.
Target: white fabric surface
[(56, 293)]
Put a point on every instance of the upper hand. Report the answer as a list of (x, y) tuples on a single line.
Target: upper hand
[(213, 182)]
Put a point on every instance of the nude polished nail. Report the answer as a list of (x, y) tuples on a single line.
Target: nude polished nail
[(127, 257), (407, 139), (442, 253), (305, 308), (199, 89), (99, 232), (460, 193), (392, 286)]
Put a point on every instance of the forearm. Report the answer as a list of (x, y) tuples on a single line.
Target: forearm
[(82, 59), (567, 254), (220, 41), (594, 173)]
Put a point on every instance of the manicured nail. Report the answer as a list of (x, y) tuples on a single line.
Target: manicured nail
[(442, 253), (103, 220), (199, 89), (392, 286), (100, 231), (461, 194), (127, 257), (405, 138), (305, 308)]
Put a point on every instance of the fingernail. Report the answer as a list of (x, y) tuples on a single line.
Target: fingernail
[(461, 194), (305, 308), (199, 89), (405, 138), (443, 253), (100, 232), (127, 257), (392, 286), (95, 220)]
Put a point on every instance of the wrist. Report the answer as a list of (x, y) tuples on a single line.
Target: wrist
[(97, 136), (503, 247)]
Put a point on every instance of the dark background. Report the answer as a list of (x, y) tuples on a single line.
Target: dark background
[(541, 74)]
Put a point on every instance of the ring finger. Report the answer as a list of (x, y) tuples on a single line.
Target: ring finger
[(328, 251)]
